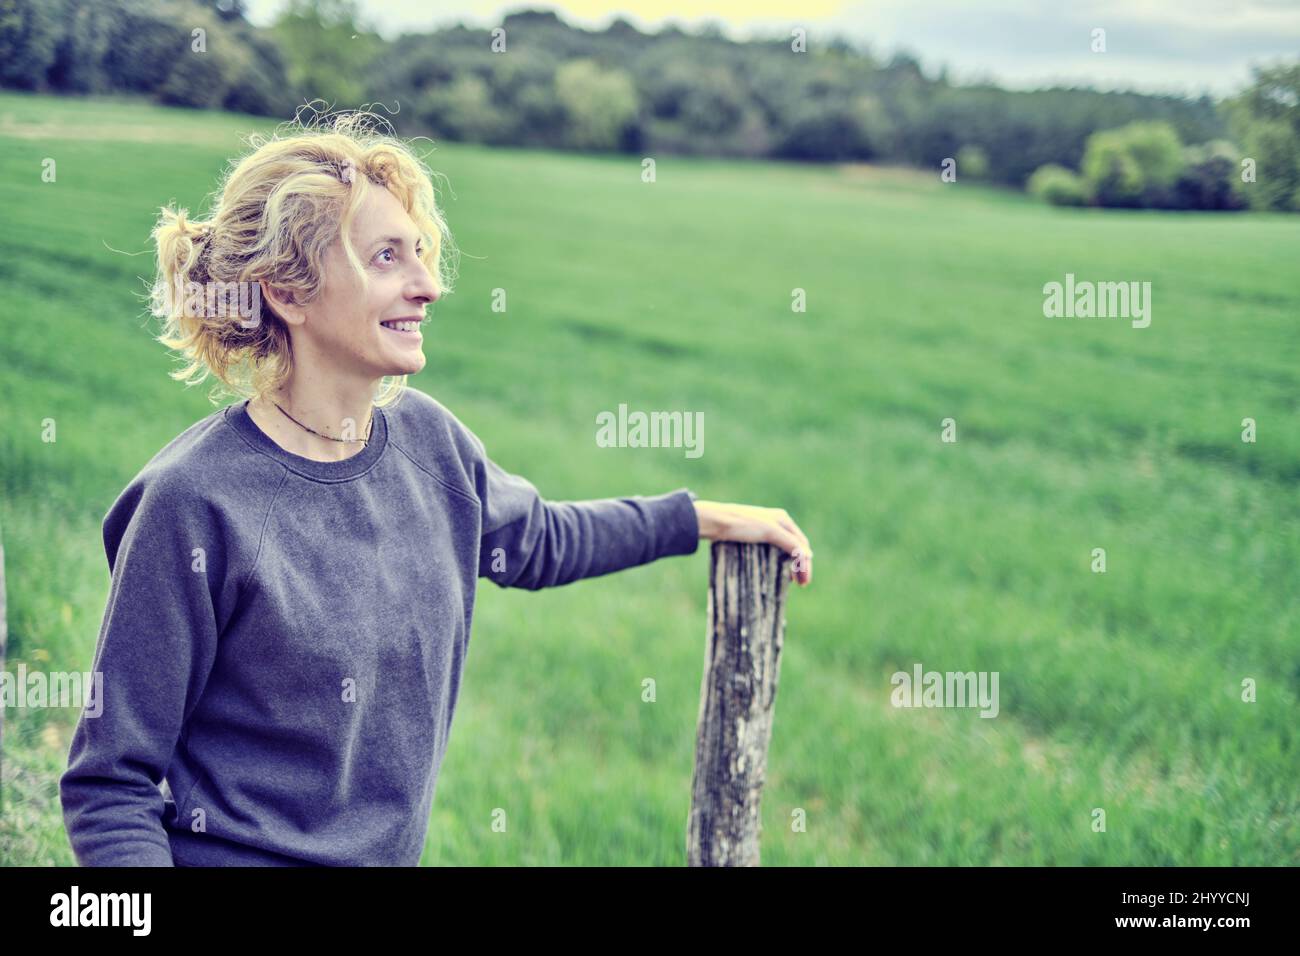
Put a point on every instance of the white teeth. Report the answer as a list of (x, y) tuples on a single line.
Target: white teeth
[(401, 326)]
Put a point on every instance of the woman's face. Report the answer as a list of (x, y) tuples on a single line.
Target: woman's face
[(342, 329)]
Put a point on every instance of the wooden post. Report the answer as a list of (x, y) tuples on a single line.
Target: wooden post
[(742, 664)]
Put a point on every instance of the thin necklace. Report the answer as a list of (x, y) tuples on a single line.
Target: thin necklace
[(364, 441)]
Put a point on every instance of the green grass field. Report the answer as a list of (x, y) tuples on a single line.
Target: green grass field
[(1120, 691)]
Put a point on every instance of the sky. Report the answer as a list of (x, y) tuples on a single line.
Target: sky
[(1175, 46)]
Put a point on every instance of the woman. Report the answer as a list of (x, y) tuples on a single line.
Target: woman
[(293, 577)]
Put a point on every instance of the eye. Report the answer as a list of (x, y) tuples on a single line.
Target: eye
[(387, 251)]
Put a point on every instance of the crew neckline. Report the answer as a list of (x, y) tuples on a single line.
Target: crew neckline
[(237, 416)]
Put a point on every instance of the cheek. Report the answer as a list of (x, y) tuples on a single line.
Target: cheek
[(380, 300), (344, 307), (356, 315)]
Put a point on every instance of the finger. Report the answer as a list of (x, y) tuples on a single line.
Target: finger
[(802, 569), (783, 539), (784, 520), (789, 525)]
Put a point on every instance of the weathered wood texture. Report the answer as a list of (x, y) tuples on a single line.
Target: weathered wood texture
[(742, 665)]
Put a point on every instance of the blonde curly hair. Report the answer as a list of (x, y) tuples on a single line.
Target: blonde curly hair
[(279, 208)]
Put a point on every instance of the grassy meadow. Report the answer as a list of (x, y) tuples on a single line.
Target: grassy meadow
[(1119, 690)]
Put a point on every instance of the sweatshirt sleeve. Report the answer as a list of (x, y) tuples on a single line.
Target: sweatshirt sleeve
[(155, 650), (529, 542)]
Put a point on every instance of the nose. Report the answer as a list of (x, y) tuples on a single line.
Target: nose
[(424, 286)]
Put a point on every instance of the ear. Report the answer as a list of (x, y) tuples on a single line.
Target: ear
[(293, 314)]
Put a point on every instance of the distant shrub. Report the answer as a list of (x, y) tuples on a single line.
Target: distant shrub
[(599, 104), (972, 162), (1057, 185), (196, 80), (1210, 178), (1275, 147), (1133, 165)]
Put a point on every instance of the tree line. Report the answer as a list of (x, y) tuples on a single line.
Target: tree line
[(537, 81)]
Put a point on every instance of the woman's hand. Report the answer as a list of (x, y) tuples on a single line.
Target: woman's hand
[(731, 522)]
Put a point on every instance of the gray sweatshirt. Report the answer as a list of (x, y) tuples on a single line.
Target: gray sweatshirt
[(283, 641)]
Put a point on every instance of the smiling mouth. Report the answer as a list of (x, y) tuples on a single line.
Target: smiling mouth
[(410, 328)]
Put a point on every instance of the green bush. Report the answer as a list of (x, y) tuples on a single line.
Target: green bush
[(461, 110), (1133, 165), (196, 80), (599, 104), (972, 162), (1057, 185), (1211, 177), (1275, 148)]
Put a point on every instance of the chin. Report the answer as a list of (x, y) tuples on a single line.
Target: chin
[(415, 365)]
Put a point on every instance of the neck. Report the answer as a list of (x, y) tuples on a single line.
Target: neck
[(333, 409)]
